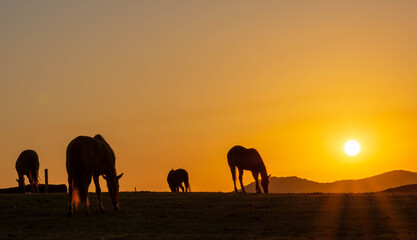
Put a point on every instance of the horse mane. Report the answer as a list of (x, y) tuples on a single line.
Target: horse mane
[(100, 138)]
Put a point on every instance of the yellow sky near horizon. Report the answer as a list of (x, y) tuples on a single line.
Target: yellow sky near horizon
[(177, 84)]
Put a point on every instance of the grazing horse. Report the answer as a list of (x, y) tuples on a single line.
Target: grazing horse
[(28, 164), (247, 159), (88, 158), (176, 178)]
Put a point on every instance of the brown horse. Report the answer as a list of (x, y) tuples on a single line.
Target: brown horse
[(90, 158), (176, 178), (247, 159), (28, 164)]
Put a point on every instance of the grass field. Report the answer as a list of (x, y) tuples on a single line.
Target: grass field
[(148, 215)]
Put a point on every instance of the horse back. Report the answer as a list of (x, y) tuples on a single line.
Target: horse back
[(83, 155), (177, 176), (243, 158), (181, 174), (27, 161)]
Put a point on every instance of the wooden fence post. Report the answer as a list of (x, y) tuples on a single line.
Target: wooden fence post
[(46, 180)]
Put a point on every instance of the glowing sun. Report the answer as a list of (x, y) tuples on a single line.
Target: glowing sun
[(352, 148)]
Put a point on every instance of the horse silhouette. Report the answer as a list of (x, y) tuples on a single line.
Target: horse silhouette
[(88, 158), (28, 164), (176, 178), (247, 159)]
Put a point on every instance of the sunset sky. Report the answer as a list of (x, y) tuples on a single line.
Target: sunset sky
[(176, 84)]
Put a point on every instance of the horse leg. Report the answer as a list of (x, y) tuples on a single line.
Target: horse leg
[(255, 176), (185, 185), (233, 170), (32, 185), (83, 192), (84, 199), (182, 188), (35, 180), (21, 182), (69, 214), (241, 181), (98, 192)]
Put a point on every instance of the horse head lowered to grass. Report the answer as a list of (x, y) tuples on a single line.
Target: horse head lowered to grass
[(247, 159), (88, 158)]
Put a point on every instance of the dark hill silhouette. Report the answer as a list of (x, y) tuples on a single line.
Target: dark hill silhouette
[(376, 183), (410, 188)]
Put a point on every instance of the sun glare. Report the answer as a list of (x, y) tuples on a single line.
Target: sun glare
[(352, 148)]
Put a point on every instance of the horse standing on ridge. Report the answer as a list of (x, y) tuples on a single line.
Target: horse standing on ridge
[(247, 159), (88, 158), (28, 164), (176, 178)]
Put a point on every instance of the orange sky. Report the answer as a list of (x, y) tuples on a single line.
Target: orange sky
[(176, 84)]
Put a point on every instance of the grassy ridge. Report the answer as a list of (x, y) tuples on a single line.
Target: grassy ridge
[(213, 216)]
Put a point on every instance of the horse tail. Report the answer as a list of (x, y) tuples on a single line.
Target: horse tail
[(233, 171), (231, 163), (187, 184), (79, 191), (35, 177), (75, 203)]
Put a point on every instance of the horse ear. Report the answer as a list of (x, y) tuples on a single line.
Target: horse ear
[(118, 177), (269, 175), (104, 176)]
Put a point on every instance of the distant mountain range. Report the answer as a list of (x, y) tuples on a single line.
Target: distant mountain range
[(410, 188), (376, 183)]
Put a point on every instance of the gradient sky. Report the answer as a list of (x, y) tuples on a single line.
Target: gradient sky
[(176, 84)]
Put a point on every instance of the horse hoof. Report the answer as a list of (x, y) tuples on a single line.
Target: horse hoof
[(69, 214), (116, 208)]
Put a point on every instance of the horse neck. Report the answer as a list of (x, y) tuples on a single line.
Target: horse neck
[(111, 171), (264, 174)]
